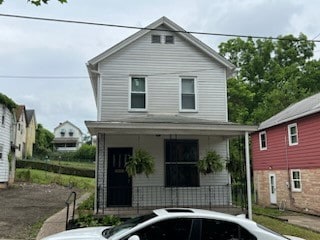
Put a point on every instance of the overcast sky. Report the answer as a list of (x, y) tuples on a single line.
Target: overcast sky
[(43, 49)]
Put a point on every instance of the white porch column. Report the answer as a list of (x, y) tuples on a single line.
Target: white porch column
[(248, 175)]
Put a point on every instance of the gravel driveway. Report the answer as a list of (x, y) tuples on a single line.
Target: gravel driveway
[(24, 204)]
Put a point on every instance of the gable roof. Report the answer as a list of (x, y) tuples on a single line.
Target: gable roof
[(21, 109), (67, 122), (92, 64), (29, 114), (300, 109), (172, 26)]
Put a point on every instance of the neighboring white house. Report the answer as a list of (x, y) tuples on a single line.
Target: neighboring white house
[(67, 137), (164, 91), (6, 140)]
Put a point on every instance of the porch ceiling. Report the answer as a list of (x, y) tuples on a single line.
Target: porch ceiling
[(166, 125)]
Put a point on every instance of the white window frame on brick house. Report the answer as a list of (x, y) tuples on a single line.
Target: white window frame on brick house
[(295, 180), (189, 94), (132, 92), (263, 142), (292, 136)]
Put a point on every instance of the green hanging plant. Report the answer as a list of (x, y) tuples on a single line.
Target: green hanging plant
[(140, 162), (211, 162)]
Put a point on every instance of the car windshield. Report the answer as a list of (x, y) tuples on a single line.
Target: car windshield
[(127, 225)]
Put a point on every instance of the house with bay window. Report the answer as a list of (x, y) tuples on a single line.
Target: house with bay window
[(164, 91), (286, 157)]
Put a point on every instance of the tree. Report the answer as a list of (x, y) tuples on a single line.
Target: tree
[(43, 144), (271, 76), (39, 2)]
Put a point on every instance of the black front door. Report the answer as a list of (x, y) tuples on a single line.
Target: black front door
[(119, 183)]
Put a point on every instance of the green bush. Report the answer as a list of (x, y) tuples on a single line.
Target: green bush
[(55, 168), (86, 151)]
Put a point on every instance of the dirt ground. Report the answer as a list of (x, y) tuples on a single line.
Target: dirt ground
[(23, 205)]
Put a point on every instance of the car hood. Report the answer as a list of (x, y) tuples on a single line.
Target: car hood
[(78, 234)]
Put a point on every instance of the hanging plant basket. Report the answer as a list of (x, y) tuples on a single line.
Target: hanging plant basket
[(140, 162), (211, 162)]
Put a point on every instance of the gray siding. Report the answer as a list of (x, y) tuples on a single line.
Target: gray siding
[(163, 65)]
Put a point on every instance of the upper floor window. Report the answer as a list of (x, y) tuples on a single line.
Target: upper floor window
[(2, 120), (293, 134), (296, 180), (155, 39), (62, 132), (169, 39), (70, 132), (188, 94), (138, 93), (263, 140)]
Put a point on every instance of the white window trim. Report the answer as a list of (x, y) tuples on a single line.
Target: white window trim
[(293, 189), (289, 134), (265, 134), (195, 94), (146, 94)]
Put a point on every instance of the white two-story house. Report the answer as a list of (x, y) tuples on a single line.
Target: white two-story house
[(164, 91), (67, 137), (7, 140)]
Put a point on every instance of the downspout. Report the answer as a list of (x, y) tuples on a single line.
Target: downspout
[(248, 175)]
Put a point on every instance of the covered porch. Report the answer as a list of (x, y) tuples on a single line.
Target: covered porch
[(145, 194)]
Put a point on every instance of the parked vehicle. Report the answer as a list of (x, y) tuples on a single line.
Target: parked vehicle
[(177, 223)]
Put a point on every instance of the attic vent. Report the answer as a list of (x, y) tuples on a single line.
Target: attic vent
[(155, 39), (179, 210), (169, 39)]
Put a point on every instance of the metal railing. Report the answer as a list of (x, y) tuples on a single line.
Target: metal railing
[(135, 200), (73, 197)]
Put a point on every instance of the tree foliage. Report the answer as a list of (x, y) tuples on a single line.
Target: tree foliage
[(43, 144), (271, 76), (86, 151), (8, 102), (39, 2)]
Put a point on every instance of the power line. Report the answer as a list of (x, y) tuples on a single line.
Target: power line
[(41, 77), (152, 29), (84, 77)]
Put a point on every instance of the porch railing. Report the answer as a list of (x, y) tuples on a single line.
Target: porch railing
[(140, 199)]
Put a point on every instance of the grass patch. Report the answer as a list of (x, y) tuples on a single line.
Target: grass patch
[(286, 228), (43, 177), (33, 230), (79, 165)]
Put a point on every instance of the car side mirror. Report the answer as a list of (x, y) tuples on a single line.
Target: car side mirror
[(134, 237)]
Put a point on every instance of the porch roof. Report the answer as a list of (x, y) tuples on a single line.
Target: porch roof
[(168, 124)]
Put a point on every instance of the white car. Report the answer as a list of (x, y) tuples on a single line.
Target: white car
[(177, 224)]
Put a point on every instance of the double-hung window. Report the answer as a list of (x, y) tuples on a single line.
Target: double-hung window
[(188, 98), (263, 140), (293, 134), (138, 93), (181, 163), (296, 180)]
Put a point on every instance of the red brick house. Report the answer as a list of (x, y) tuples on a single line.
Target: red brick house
[(286, 157)]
